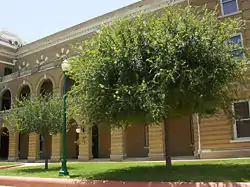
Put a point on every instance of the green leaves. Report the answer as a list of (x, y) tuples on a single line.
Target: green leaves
[(144, 69), (43, 115)]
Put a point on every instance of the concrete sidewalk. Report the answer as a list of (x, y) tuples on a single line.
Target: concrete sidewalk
[(174, 159)]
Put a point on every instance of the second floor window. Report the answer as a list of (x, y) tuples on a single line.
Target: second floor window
[(229, 7), (237, 40), (7, 71)]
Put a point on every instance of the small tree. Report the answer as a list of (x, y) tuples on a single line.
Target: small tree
[(41, 115), (152, 68)]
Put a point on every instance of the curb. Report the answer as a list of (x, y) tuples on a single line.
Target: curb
[(10, 166), (49, 182)]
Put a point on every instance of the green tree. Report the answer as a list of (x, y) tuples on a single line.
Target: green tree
[(152, 68), (41, 115)]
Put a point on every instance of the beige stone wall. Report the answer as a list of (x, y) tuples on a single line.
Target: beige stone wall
[(85, 145), (24, 146), (104, 136), (13, 146), (33, 147), (156, 142), (135, 141), (117, 144), (216, 132), (71, 143), (56, 147), (217, 139), (180, 137)]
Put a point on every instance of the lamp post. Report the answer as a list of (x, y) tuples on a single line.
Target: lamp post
[(64, 171)]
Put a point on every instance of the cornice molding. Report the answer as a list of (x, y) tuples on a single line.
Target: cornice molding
[(7, 54), (71, 35)]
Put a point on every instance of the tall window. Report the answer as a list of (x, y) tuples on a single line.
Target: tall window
[(229, 7), (237, 40), (242, 119)]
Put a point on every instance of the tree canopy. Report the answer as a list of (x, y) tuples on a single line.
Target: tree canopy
[(156, 66), (41, 115)]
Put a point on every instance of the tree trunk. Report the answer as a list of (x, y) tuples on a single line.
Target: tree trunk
[(167, 156), (45, 154), (46, 163)]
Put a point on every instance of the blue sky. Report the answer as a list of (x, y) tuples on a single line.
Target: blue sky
[(34, 19)]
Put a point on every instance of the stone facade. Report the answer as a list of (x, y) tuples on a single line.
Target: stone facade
[(30, 68)]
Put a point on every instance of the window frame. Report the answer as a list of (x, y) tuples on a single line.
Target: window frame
[(234, 125), (242, 42), (222, 8)]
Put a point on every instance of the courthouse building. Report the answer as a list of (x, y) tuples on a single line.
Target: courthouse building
[(27, 70)]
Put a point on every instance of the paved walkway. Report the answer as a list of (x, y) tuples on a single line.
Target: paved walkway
[(183, 159), (31, 164)]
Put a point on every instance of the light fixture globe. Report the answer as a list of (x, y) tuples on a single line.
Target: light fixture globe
[(65, 65), (78, 130)]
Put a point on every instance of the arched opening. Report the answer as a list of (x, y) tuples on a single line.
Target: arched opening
[(46, 139), (23, 145), (69, 83), (95, 142), (6, 100), (46, 87), (101, 141), (45, 146), (72, 137), (24, 93), (136, 147), (180, 137), (4, 143)]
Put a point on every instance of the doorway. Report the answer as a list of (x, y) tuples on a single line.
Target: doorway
[(180, 137), (95, 142), (4, 145)]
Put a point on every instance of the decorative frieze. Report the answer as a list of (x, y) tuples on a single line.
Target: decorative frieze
[(73, 34), (42, 60), (10, 77)]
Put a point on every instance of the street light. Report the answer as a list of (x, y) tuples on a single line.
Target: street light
[(64, 171)]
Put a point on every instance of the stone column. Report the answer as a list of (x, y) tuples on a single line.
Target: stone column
[(13, 146), (196, 130), (156, 142), (85, 145), (57, 91), (56, 147), (117, 144), (34, 145)]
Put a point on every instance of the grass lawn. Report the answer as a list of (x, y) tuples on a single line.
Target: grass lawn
[(237, 170)]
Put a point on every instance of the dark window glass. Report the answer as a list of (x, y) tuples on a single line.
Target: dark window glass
[(237, 40), (241, 110), (243, 128), (7, 71)]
